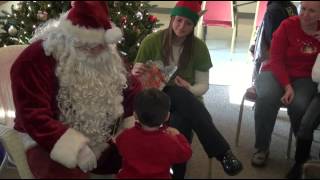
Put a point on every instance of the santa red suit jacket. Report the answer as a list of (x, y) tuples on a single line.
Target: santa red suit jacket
[(34, 88)]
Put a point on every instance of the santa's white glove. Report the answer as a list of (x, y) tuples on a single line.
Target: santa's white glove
[(87, 160)]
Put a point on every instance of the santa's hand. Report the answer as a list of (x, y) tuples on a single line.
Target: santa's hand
[(87, 160)]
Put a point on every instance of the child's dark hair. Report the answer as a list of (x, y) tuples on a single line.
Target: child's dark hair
[(152, 107)]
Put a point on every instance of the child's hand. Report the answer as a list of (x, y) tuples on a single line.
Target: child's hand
[(172, 131)]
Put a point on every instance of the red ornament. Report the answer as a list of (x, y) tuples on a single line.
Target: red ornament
[(152, 19), (123, 20)]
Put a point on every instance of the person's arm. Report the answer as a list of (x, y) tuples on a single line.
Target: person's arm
[(278, 51), (201, 84), (184, 151), (316, 70), (181, 147), (134, 87), (32, 88), (202, 65), (144, 54)]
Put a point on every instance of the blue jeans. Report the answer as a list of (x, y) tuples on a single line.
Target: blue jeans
[(269, 93), (310, 120)]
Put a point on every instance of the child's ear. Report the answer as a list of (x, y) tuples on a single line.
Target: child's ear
[(168, 117)]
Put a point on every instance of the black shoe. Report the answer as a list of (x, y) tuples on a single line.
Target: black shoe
[(231, 165), (295, 172)]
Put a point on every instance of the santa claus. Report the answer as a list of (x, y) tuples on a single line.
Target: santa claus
[(69, 88)]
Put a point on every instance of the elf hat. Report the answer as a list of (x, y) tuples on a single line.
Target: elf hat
[(89, 21), (189, 9)]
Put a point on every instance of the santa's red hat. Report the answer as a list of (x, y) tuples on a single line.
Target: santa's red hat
[(89, 21)]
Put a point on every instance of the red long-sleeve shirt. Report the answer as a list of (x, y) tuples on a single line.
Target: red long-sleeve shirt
[(150, 154), (292, 53)]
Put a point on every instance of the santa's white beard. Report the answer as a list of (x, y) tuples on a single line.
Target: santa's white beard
[(90, 95)]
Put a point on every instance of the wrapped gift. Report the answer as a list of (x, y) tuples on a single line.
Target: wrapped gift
[(157, 75)]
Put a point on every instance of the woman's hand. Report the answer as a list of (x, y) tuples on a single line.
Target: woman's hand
[(138, 69), (182, 83), (288, 95)]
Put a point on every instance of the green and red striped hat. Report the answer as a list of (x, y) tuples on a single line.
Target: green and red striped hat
[(189, 9)]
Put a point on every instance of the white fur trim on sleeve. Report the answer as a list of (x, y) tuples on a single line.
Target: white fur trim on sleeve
[(67, 148), (201, 84)]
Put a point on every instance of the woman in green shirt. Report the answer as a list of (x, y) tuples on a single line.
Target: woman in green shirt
[(178, 46)]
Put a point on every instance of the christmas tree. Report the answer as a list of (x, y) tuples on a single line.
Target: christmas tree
[(132, 17), (19, 25)]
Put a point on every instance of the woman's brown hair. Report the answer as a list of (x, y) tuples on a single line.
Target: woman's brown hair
[(167, 53)]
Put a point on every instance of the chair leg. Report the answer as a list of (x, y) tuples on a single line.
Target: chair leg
[(4, 162), (239, 121), (289, 143), (204, 33), (233, 40), (210, 169)]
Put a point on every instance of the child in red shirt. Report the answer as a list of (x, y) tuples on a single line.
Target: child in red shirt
[(150, 148)]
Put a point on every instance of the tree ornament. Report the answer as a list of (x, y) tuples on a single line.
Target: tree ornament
[(139, 15), (42, 16), (152, 19), (12, 30), (123, 20)]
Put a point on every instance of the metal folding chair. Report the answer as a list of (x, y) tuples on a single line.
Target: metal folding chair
[(250, 95)]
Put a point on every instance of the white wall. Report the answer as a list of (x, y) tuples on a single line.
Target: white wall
[(7, 6), (249, 8), (163, 4)]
